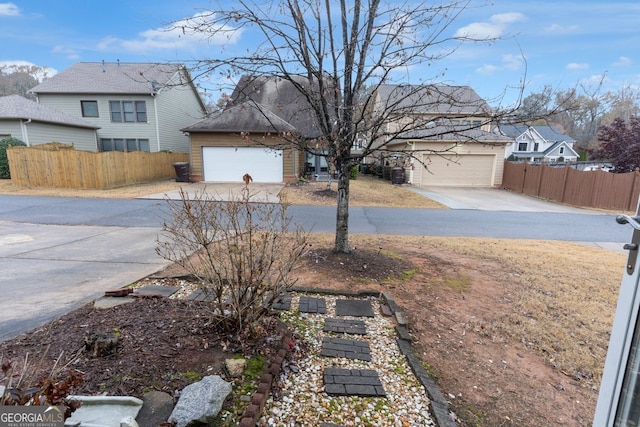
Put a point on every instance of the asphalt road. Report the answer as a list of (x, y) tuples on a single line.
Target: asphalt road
[(57, 253)]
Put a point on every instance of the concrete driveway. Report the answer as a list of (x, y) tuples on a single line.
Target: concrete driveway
[(494, 199), (49, 270), (499, 200)]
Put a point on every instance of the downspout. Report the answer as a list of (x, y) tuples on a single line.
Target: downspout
[(25, 133), (411, 162), (155, 113)]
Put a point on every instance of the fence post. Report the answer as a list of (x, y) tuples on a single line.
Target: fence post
[(633, 201), (564, 181)]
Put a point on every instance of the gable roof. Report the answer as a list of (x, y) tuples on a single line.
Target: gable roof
[(558, 144), (283, 98), (20, 108), (110, 77), (548, 132), (433, 99), (245, 117)]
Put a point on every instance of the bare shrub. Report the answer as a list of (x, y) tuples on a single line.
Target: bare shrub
[(241, 253), (28, 384)]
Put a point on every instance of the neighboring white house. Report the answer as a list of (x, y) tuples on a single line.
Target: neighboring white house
[(35, 124), (538, 144), (135, 106)]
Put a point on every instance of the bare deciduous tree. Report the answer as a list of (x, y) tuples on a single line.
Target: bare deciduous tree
[(241, 253), (347, 51)]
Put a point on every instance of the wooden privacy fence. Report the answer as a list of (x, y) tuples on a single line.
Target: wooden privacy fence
[(34, 167), (593, 189)]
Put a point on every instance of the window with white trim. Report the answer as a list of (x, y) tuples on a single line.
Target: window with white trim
[(522, 146), (561, 150)]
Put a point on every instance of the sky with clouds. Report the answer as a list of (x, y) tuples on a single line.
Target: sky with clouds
[(542, 42)]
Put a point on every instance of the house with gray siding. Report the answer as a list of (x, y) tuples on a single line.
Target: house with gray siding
[(135, 106), (539, 143), (35, 124)]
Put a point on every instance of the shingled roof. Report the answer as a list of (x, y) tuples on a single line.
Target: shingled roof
[(245, 117), (110, 77), (432, 99), (548, 132), (20, 108), (282, 98)]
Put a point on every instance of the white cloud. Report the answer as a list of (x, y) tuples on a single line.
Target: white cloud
[(179, 35), (509, 62), (576, 66), (560, 29), (9, 9), (595, 79), (507, 18), (487, 69), (512, 62), (68, 52), (623, 61), (496, 27)]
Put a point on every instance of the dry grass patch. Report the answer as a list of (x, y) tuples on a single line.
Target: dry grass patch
[(563, 297), (515, 331), (128, 192), (366, 191)]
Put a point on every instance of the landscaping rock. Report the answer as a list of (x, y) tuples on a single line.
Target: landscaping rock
[(201, 401), (235, 367), (156, 408)]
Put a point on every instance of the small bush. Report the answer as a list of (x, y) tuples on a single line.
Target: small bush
[(353, 173), (242, 253), (5, 173)]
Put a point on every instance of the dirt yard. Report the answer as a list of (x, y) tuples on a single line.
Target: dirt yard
[(515, 332)]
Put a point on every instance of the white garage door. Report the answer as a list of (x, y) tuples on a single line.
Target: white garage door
[(229, 164), (463, 170)]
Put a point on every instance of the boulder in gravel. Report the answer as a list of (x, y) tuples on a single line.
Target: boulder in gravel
[(201, 401)]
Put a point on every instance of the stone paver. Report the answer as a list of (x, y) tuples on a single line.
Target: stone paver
[(350, 349), (312, 305), (152, 290), (197, 295), (283, 302), (352, 307), (342, 326), (352, 382)]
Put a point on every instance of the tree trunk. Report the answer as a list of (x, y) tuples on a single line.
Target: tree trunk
[(342, 213)]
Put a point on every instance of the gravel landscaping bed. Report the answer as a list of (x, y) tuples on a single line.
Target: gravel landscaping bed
[(301, 400)]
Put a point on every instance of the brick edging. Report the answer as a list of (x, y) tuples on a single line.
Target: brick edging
[(270, 373)]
